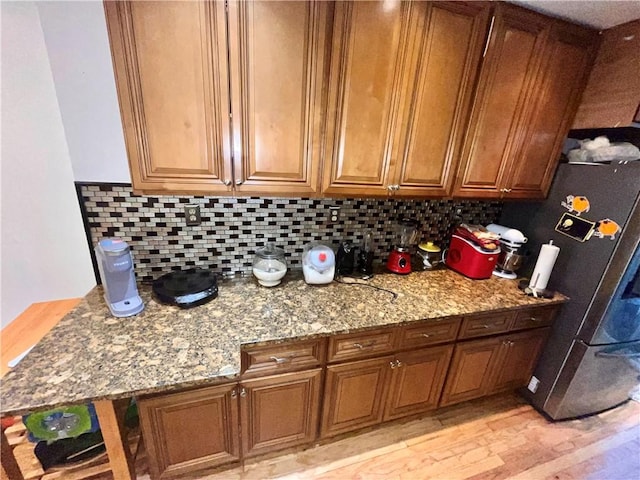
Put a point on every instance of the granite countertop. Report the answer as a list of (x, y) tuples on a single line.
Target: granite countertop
[(92, 355)]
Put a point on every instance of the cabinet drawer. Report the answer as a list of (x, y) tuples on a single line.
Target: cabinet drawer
[(481, 325), (282, 357), (534, 317), (430, 333), (361, 345)]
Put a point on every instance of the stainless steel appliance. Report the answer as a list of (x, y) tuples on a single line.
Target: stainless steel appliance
[(592, 357), (511, 257), (115, 264)]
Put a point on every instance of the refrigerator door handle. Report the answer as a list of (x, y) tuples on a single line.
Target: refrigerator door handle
[(624, 352)]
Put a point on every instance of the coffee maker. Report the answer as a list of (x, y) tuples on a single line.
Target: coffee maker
[(510, 258), (115, 264), (399, 260)]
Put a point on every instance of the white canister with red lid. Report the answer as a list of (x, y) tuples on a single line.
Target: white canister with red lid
[(318, 263)]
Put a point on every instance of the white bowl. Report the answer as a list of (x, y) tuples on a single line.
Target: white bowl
[(269, 272)]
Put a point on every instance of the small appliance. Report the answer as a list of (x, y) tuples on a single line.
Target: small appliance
[(470, 259), (345, 259), (115, 264), (510, 258), (318, 263), (269, 265), (365, 257), (399, 260), (186, 288)]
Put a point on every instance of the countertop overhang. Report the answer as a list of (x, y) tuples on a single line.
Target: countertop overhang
[(92, 355)]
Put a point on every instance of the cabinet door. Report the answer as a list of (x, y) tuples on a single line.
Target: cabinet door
[(417, 381), (471, 372), (354, 395), (519, 356), (170, 63), (279, 411), (369, 42), (277, 61), (568, 58), (189, 431), (507, 77), (611, 97), (446, 40)]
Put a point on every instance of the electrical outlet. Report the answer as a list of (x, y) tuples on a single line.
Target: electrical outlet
[(334, 214), (192, 214)]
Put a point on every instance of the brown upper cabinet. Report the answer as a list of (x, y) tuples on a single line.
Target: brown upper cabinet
[(530, 83), (218, 100), (612, 96), (399, 92), (308, 98)]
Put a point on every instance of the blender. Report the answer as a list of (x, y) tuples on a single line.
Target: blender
[(399, 260)]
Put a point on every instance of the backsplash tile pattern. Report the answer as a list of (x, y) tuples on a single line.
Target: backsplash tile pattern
[(233, 228)]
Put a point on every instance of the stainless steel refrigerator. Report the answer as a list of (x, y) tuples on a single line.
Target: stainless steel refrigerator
[(592, 358)]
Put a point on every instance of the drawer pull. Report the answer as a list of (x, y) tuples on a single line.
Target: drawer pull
[(534, 319), (234, 394), (392, 364), (399, 363), (478, 327), (280, 360), (243, 392), (366, 345), (426, 335)]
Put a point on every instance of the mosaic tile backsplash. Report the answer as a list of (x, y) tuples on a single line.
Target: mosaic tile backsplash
[(233, 228)]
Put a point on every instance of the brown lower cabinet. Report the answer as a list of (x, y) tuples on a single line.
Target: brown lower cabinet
[(279, 411), (202, 428), (364, 393), (354, 395), (190, 430), (482, 367)]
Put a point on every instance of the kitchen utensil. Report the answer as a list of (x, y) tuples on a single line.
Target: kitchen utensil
[(430, 254), (469, 259), (115, 264), (365, 257), (186, 288), (269, 265), (318, 263), (399, 260), (345, 259)]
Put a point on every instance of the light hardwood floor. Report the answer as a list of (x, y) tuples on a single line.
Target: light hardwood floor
[(496, 438)]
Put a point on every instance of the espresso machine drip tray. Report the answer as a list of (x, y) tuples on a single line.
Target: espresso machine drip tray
[(186, 288)]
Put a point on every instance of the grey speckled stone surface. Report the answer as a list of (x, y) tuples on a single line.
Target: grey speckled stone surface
[(91, 355)]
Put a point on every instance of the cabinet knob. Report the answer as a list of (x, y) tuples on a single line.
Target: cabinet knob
[(389, 187), (234, 394), (396, 187), (243, 392), (399, 363), (392, 364), (227, 182), (507, 190), (239, 182)]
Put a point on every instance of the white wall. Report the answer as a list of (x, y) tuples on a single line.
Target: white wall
[(45, 255), (77, 43)]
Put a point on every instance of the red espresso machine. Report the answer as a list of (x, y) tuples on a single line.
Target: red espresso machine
[(399, 260)]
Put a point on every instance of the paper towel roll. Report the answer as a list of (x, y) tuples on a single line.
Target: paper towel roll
[(544, 265)]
